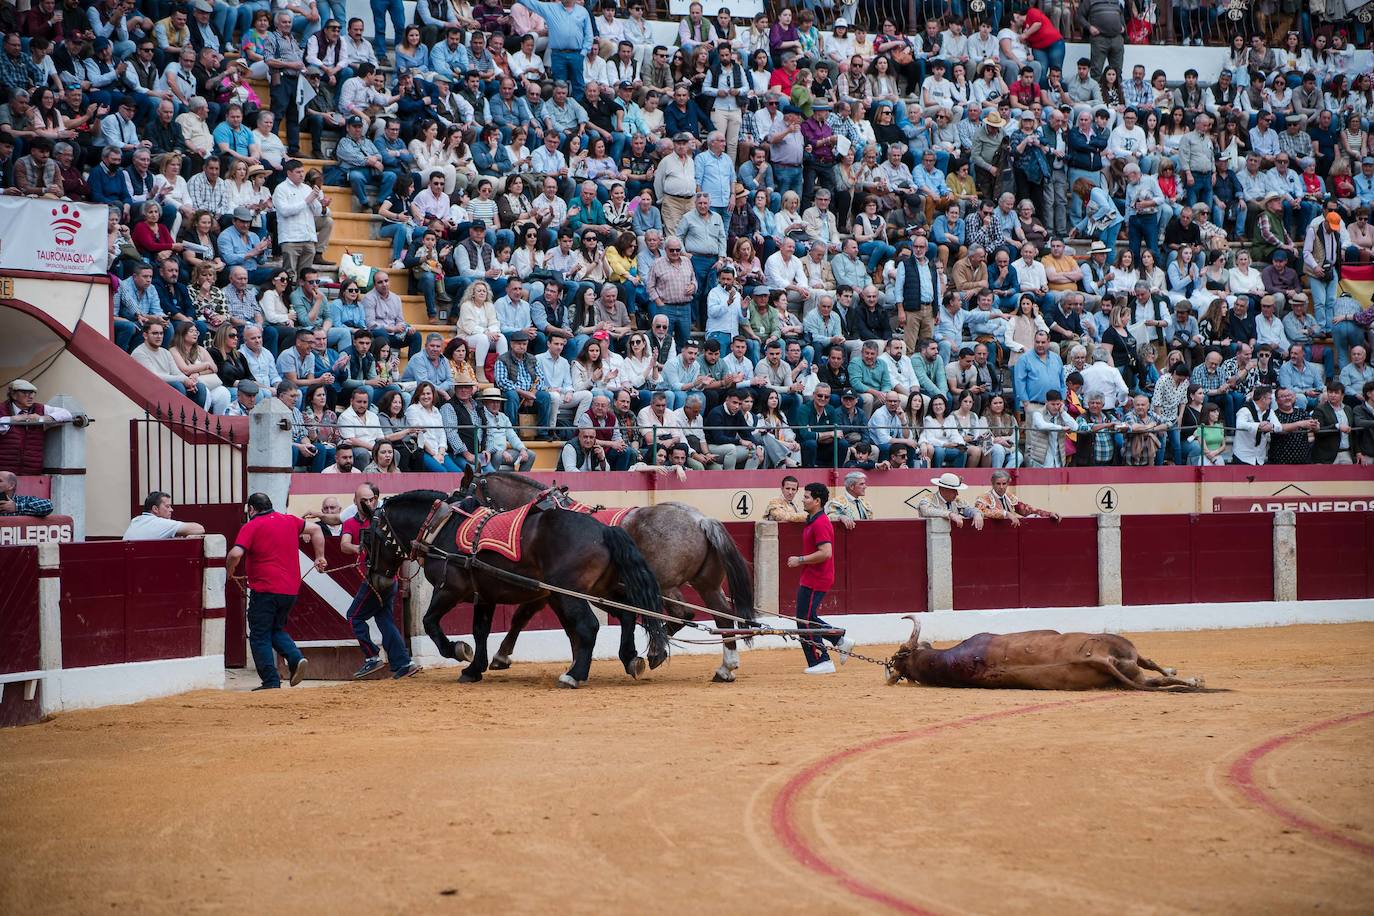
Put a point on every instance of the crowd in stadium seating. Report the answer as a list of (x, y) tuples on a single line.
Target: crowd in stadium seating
[(912, 239)]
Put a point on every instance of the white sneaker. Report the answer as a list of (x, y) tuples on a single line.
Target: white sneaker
[(825, 667), (844, 648), (398, 264)]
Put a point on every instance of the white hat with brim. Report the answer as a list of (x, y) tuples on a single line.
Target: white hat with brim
[(949, 481)]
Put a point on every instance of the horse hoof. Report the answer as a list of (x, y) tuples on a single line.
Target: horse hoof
[(723, 676), (500, 663), (656, 660), (466, 678), (568, 681), (465, 651), (636, 667)]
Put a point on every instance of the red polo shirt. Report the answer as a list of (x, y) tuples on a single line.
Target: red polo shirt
[(354, 528), (818, 577), (272, 545)]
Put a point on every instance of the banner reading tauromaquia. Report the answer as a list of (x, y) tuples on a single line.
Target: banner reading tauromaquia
[(54, 236)]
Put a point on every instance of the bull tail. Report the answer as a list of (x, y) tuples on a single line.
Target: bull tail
[(639, 586), (737, 575)]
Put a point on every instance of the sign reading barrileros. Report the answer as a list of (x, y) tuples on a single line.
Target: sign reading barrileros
[(1293, 503), (54, 236), (19, 530)]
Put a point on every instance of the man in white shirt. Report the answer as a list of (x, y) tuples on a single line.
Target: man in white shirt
[(899, 368), (297, 205), (156, 522), (1255, 421), (568, 402), (359, 428), (1127, 141), (1269, 328), (1031, 274), (1104, 380), (343, 463), (783, 270)]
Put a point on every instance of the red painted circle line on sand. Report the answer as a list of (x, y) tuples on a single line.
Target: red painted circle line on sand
[(785, 828), (1242, 776)]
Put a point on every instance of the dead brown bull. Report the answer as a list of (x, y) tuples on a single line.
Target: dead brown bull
[(1034, 660)]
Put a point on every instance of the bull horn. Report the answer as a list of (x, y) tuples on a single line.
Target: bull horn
[(915, 629)]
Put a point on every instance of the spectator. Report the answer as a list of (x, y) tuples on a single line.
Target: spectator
[(24, 423), (156, 522), (853, 506), (14, 503)]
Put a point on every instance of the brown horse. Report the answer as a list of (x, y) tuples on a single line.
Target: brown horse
[(682, 547)]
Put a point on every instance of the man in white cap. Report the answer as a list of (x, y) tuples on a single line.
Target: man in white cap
[(945, 502), (23, 424)]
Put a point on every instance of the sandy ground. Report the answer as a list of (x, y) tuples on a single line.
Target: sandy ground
[(677, 795)]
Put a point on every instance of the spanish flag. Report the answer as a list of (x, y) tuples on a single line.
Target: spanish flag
[(1357, 281)]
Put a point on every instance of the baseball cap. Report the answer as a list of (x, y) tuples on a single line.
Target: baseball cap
[(354, 121), (848, 393)]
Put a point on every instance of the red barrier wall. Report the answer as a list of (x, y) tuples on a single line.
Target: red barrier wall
[(1177, 559), (1335, 555), (1038, 564), (19, 599), (130, 601), (880, 567)]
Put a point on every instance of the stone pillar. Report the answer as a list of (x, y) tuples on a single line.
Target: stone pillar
[(939, 565), (766, 567), (1108, 560), (64, 454), (212, 596), (270, 451), (1285, 555), (421, 593), (49, 628)]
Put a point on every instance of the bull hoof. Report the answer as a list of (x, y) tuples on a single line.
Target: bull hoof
[(568, 681), (723, 675), (469, 678), (465, 651), (1171, 672), (656, 660), (1198, 682), (500, 663), (893, 680), (636, 667)]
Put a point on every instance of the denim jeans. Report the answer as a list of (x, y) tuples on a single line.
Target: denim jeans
[(433, 465), (1053, 56), (1344, 335), (1201, 189), (543, 405), (949, 457), (367, 606), (198, 395), (679, 321), (704, 266), (567, 65), (267, 635), (1324, 294), (876, 252), (788, 178), (1143, 226), (358, 179), (401, 235), (380, 10), (1181, 452)]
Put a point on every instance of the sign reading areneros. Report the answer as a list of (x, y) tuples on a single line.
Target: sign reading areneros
[(54, 236), (1293, 503)]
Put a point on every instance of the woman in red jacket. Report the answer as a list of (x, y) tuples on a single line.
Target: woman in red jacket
[(152, 239)]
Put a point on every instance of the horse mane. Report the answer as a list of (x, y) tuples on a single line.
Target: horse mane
[(425, 496), (519, 478)]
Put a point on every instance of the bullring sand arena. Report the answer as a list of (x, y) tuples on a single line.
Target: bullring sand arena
[(777, 794)]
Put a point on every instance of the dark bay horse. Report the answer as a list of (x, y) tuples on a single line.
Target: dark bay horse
[(564, 549), (682, 546)]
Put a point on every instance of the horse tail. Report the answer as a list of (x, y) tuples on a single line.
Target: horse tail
[(737, 574), (638, 584)]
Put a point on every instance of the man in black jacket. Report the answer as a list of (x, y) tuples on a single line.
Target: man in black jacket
[(728, 434), (176, 297), (1333, 442)]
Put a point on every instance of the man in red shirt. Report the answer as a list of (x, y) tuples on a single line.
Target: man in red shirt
[(271, 543), (816, 579), (367, 604)]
